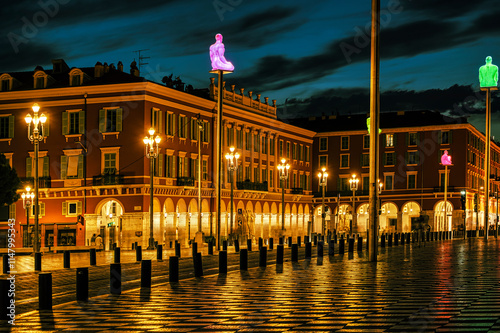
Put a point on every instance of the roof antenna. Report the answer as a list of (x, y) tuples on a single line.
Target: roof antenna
[(141, 58)]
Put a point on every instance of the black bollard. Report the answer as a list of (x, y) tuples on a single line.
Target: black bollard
[(351, 245), (295, 252), (331, 247), (224, 245), (138, 253), (280, 241), (82, 284), (396, 239), (38, 261), (177, 249), (45, 291), (93, 260), (222, 262), (298, 241), (289, 241), (403, 236), (360, 244), (7, 305), (249, 245), (236, 245), (306, 239), (244, 259), (115, 279), (133, 246), (67, 259), (117, 255), (263, 256), (308, 253), (198, 265), (315, 240), (279, 255), (271, 243), (389, 240), (146, 274), (335, 238), (5, 267), (432, 236), (159, 252), (341, 245), (194, 249), (319, 249), (173, 269), (261, 242), (210, 248)]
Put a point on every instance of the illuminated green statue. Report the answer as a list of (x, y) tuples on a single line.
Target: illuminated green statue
[(368, 126), (488, 74)]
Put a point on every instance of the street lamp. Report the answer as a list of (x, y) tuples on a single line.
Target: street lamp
[(232, 166), (354, 187), (323, 176), (151, 153), (283, 173), (35, 137), (27, 203)]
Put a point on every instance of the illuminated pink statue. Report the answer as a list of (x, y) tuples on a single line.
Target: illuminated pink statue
[(219, 62), (446, 159)]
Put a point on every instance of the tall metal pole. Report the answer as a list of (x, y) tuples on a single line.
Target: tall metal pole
[(283, 204), (232, 213), (496, 220), (445, 227), (218, 191), (200, 161), (151, 198), (35, 143), (488, 160), (353, 211), (323, 208), (374, 126)]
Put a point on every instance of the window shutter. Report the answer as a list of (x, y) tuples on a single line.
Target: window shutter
[(440, 137), (11, 126), (173, 166), (186, 167), (42, 209), (417, 157), (65, 121), (64, 208), (406, 158), (28, 167), (385, 158), (64, 166), (407, 138), (46, 129), (102, 121), (12, 211), (450, 141), (45, 166), (173, 124), (420, 138), (395, 139), (81, 122), (160, 121), (80, 166), (160, 165), (119, 120), (79, 207), (384, 140)]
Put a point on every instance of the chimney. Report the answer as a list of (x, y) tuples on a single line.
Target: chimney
[(120, 66), (98, 69), (106, 67)]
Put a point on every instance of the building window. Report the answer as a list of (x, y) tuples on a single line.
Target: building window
[(43, 166), (6, 85), (256, 142), (301, 153), (294, 151), (206, 131), (39, 82), (109, 163), (248, 139), (239, 138), (389, 140), (76, 80), (72, 166), (170, 166), (323, 144), (288, 149), (388, 182), (343, 184), (366, 142), (170, 128), (156, 120), (6, 127), (194, 129), (71, 208), (271, 178), (264, 175), (412, 157), (256, 174), (444, 137), (307, 157), (271, 146), (110, 120), (344, 160), (323, 161), (264, 145), (280, 148), (344, 143), (412, 139), (365, 160), (365, 183), (183, 123), (389, 159), (73, 122), (204, 169), (411, 180)]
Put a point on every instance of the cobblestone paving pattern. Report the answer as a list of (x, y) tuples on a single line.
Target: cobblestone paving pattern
[(446, 286)]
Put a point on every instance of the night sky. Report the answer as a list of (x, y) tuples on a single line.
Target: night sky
[(312, 56)]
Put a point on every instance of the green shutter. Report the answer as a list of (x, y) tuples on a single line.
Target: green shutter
[(80, 166), (417, 159), (395, 138), (450, 141), (173, 124), (384, 140), (64, 208), (65, 122), (79, 207), (160, 121), (28, 166), (64, 166), (46, 129), (385, 158), (174, 166), (406, 158), (186, 167), (11, 126), (407, 138), (45, 166), (81, 122), (440, 137), (42, 209), (12, 211), (102, 121), (160, 165), (119, 119)]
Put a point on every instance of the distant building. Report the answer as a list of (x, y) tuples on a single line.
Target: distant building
[(93, 163), (411, 146)]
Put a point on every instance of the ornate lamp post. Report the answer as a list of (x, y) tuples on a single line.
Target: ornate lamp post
[(35, 137), (232, 166), (354, 187), (27, 203), (446, 160), (151, 153), (283, 173), (323, 176)]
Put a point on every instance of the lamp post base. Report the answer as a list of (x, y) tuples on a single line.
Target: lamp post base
[(151, 245)]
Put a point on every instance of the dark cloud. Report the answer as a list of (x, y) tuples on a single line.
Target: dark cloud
[(39, 54), (444, 9)]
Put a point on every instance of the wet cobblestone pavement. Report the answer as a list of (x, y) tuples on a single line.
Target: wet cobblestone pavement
[(446, 286)]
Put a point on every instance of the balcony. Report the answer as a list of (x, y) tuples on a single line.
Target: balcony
[(297, 190), (441, 189), (185, 181), (43, 182), (107, 179), (247, 185)]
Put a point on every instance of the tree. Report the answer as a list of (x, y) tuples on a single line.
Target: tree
[(9, 182)]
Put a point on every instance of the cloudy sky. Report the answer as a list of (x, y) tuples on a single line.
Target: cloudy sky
[(298, 52)]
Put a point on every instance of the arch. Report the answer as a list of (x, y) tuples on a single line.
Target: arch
[(181, 206), (363, 211), (440, 222), (156, 205), (274, 208), (258, 208), (411, 214), (389, 217), (265, 208), (103, 202), (193, 206), (204, 206), (168, 206)]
